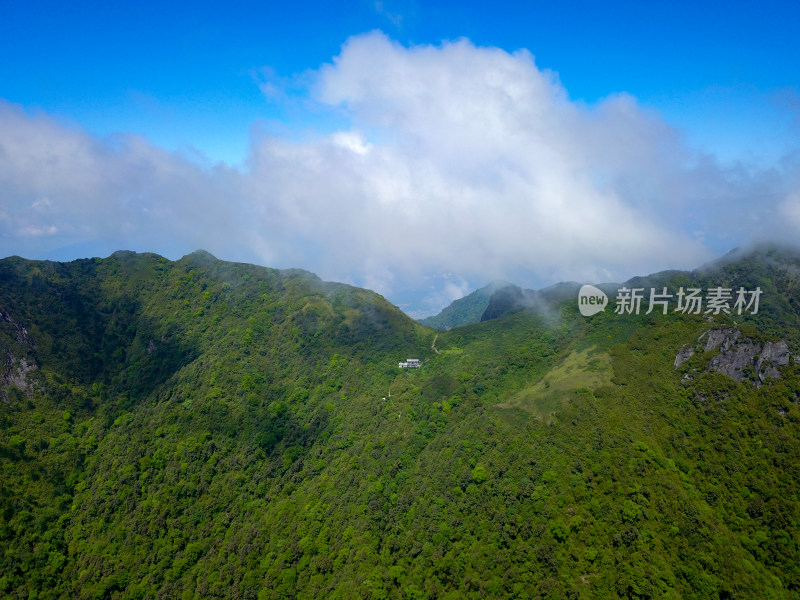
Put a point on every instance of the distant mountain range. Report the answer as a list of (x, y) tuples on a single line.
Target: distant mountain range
[(501, 298), (204, 429)]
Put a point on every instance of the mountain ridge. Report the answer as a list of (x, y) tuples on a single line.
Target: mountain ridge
[(465, 310), (507, 297), (196, 428)]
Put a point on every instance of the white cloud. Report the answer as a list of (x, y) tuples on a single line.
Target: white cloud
[(457, 158), (790, 209), (58, 180), (479, 162), (30, 230)]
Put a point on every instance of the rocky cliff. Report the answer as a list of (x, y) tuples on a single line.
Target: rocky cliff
[(739, 356)]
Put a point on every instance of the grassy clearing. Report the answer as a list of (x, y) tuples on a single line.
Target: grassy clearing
[(583, 370)]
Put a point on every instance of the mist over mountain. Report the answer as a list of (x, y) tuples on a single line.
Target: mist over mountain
[(501, 298), (200, 428), (385, 182), (466, 310)]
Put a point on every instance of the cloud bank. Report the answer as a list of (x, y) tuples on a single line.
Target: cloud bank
[(458, 163)]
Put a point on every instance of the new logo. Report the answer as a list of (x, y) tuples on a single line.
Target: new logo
[(591, 300)]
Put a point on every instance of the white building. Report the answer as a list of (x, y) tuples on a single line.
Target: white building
[(410, 363)]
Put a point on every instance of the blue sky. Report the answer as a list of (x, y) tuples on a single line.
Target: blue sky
[(170, 126)]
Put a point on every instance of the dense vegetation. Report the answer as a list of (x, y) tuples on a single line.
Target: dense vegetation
[(201, 429)]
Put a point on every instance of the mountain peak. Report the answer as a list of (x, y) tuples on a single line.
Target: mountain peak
[(200, 255), (466, 310)]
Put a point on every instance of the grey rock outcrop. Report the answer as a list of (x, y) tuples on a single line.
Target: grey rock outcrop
[(738, 362), (773, 355), (724, 338), (15, 370), (21, 333), (740, 358), (16, 374), (684, 354)]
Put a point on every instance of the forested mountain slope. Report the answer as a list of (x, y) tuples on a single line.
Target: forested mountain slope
[(207, 429)]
